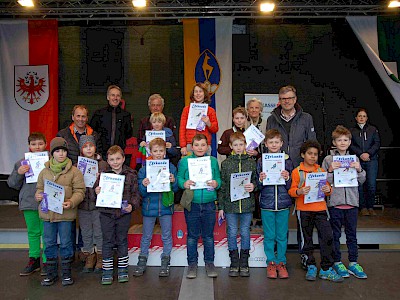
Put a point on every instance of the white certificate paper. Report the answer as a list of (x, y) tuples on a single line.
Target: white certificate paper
[(157, 171), (89, 168), (316, 181), (196, 112), (112, 189), (345, 176), (254, 137), (36, 161), (55, 196), (273, 164), (238, 180), (200, 172), (151, 135)]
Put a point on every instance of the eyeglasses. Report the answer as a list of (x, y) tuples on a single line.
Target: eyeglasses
[(287, 99)]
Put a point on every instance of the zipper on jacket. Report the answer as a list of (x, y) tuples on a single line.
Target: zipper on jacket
[(276, 197)]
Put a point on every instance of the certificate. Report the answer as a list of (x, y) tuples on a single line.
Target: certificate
[(316, 181), (238, 180), (272, 165), (157, 171), (151, 135), (89, 168), (345, 176), (200, 172), (196, 112), (36, 160), (112, 189), (254, 137), (55, 196)]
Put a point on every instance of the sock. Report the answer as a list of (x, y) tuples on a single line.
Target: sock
[(123, 262), (352, 263), (108, 264)]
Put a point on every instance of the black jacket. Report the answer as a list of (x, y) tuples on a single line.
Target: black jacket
[(365, 140)]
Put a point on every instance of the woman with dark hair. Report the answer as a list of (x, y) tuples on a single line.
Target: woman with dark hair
[(365, 143)]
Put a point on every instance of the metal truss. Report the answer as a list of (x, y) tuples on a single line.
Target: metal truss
[(85, 10)]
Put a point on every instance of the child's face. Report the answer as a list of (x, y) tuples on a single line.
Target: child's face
[(238, 146), (342, 143), (88, 150), (310, 157), (60, 155), (198, 94), (37, 146), (239, 120), (274, 145), (157, 152), (200, 147), (116, 161), (157, 125)]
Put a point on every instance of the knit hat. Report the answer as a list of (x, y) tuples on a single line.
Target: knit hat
[(84, 139), (58, 143)]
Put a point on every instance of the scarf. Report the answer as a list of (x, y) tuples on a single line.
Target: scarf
[(57, 167)]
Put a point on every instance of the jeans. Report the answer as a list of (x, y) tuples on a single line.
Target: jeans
[(51, 230), (166, 234), (89, 223), (200, 221), (368, 189), (34, 226), (232, 229)]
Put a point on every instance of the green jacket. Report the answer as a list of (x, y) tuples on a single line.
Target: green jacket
[(203, 195), (237, 163)]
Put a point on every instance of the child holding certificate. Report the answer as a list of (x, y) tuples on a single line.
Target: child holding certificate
[(207, 124), (156, 205), (200, 218), (344, 201), (242, 209), (59, 169), (275, 204), (29, 206), (89, 215), (313, 214), (115, 222)]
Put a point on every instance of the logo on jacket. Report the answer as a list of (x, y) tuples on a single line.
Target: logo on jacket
[(208, 71), (31, 86), (179, 234)]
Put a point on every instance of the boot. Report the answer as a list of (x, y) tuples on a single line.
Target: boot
[(164, 270), (234, 268), (99, 263), (66, 271), (32, 266), (108, 271), (90, 261), (141, 266), (123, 269), (52, 272), (244, 263)]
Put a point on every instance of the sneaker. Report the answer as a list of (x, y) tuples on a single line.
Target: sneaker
[(67, 281), (311, 273), (123, 275), (340, 268), (211, 271), (107, 277), (331, 275), (191, 272), (357, 271), (43, 270), (364, 212), (32, 266), (271, 270), (282, 271), (371, 212)]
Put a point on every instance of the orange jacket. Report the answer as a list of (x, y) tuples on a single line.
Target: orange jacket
[(316, 206), (186, 135)]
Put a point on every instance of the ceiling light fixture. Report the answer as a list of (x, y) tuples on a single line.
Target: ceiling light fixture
[(394, 4), (139, 3), (267, 6), (26, 3)]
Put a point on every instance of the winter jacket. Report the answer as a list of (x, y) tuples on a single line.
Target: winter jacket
[(236, 163), (342, 195), (301, 130), (152, 202), (130, 193), (275, 197), (146, 125), (365, 140), (69, 135), (170, 138), (89, 202), (101, 122), (186, 135), (72, 181), (201, 195), (223, 143)]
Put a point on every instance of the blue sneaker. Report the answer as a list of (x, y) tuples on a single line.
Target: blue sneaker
[(341, 270), (331, 275), (357, 271), (311, 273)]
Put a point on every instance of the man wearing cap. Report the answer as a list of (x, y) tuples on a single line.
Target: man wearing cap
[(78, 128)]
